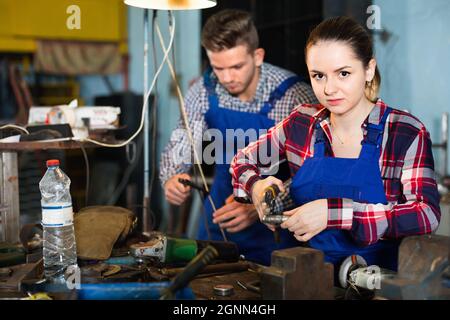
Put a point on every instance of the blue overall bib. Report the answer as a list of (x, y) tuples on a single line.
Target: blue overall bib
[(322, 177), (256, 242)]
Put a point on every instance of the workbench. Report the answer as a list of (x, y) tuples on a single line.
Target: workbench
[(202, 286)]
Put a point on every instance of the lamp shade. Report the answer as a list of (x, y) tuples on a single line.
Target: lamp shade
[(172, 4)]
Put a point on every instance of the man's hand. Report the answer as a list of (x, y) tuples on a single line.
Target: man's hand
[(235, 216), (176, 193), (307, 220)]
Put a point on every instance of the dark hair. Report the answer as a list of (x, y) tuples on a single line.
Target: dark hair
[(228, 29), (352, 33)]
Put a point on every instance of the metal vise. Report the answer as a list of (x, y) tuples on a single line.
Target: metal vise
[(423, 270), (297, 273)]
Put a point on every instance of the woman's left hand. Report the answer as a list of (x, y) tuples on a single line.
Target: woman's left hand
[(307, 220)]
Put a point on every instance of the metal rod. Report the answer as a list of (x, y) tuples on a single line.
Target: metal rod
[(146, 197)]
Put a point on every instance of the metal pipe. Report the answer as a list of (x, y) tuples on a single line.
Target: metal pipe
[(145, 200)]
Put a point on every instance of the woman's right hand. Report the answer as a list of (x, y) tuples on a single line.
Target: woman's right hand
[(258, 193)]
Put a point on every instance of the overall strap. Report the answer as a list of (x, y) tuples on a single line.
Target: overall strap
[(319, 144), (278, 93), (210, 86), (371, 145)]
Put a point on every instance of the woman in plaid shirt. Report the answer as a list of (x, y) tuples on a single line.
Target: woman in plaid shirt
[(362, 173)]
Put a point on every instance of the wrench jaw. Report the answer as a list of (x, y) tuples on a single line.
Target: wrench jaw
[(271, 217), (274, 219)]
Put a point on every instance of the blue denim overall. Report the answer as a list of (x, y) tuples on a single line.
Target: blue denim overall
[(256, 242), (322, 177)]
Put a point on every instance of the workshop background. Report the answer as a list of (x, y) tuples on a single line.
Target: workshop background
[(412, 50)]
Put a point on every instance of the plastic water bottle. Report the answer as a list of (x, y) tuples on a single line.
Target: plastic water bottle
[(60, 254)]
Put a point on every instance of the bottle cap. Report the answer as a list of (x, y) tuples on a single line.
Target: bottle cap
[(53, 162), (223, 290)]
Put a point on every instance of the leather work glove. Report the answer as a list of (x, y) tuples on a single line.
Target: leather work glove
[(98, 228)]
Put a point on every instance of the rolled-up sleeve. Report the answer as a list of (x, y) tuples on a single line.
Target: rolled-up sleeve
[(261, 157)]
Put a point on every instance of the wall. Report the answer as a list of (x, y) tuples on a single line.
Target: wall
[(415, 61), (92, 86)]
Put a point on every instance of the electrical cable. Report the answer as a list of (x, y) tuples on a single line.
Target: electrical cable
[(145, 102), (154, 122), (137, 155), (184, 115), (126, 176), (13, 126), (131, 146), (170, 223)]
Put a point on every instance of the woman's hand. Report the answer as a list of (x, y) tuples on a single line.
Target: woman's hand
[(307, 220), (258, 193)]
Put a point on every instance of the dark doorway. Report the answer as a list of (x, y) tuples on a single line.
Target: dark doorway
[(283, 27)]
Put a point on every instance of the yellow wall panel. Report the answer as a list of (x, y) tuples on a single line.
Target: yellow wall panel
[(6, 15), (24, 21), (19, 45), (100, 20)]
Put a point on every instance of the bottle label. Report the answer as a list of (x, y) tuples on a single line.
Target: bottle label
[(57, 215)]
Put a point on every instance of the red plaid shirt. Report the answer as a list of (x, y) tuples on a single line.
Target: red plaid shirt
[(406, 163)]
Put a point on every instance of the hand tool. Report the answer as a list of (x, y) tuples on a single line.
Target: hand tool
[(271, 217), (191, 184), (212, 269), (205, 257)]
